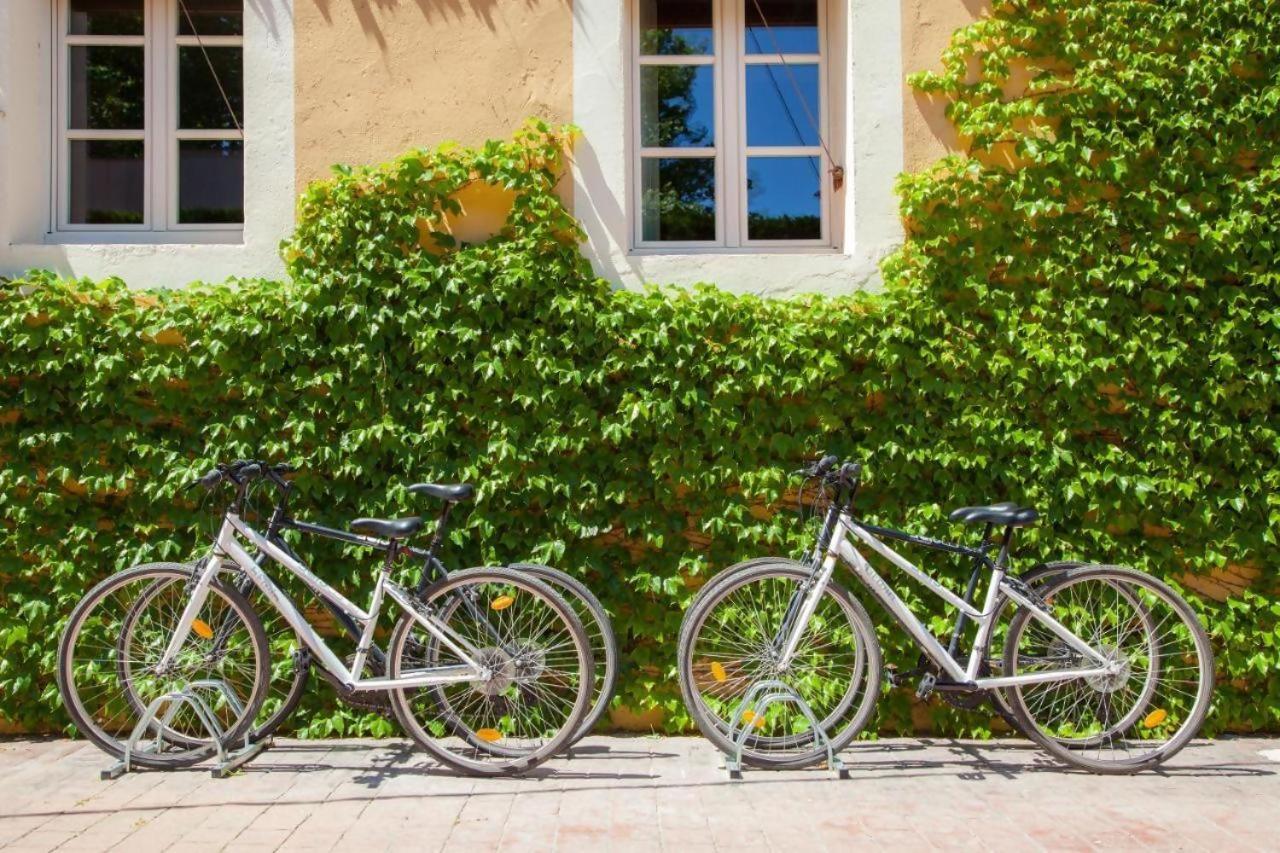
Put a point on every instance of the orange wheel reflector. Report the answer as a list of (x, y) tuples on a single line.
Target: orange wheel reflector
[(502, 602), (1155, 718), (489, 735), (718, 673), (202, 628), (751, 718)]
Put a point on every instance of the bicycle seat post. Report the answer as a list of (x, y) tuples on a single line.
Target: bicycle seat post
[(1002, 559), (437, 540), (961, 619)]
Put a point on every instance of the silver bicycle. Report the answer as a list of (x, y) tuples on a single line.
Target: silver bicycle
[(487, 669), (1105, 667)]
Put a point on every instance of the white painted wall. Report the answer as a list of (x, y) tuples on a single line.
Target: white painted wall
[(26, 139), (870, 146)]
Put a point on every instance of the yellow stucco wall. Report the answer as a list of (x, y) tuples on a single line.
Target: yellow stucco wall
[(378, 77), (375, 78), (927, 26)]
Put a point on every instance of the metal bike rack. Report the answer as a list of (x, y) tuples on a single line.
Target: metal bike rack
[(228, 762), (757, 700)]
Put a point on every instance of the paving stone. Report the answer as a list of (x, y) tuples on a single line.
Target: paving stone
[(622, 794)]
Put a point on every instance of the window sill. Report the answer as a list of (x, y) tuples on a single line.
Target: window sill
[(740, 251), (145, 238), (774, 271)]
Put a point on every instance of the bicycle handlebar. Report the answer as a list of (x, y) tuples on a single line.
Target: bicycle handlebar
[(825, 469), (242, 472)]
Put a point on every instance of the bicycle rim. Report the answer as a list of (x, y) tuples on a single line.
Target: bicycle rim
[(537, 653), (109, 650), (1149, 707)]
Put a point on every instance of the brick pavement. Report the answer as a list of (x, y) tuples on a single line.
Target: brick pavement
[(644, 794)]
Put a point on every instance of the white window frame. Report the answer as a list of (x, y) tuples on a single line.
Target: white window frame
[(161, 137), (729, 61)]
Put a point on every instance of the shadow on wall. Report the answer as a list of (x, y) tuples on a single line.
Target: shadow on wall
[(933, 109), (433, 11)]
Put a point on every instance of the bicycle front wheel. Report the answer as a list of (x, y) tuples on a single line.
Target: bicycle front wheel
[(109, 654), (730, 642), (289, 670), (1152, 702), (538, 677)]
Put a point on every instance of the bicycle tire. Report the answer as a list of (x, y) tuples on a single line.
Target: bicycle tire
[(292, 697), (756, 752), (82, 718), (1071, 751), (507, 762)]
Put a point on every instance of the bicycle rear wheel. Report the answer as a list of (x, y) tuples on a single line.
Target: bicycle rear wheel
[(539, 682), (728, 643), (603, 642), (1150, 706), (107, 661)]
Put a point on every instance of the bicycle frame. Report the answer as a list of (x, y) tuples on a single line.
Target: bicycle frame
[(228, 546), (840, 548)]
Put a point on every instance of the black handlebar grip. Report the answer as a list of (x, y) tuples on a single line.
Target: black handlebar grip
[(850, 472), (824, 464), (275, 475)]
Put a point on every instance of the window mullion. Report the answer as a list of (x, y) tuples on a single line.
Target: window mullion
[(154, 115), (732, 189), (62, 119), (169, 136)]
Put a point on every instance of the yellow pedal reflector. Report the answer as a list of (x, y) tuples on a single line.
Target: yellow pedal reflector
[(718, 673), (1155, 718), (489, 735), (202, 628), (502, 602)]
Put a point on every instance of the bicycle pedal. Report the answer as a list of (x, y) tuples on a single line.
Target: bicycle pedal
[(925, 690), (901, 679)]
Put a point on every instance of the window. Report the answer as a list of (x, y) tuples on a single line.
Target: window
[(730, 123), (149, 116)]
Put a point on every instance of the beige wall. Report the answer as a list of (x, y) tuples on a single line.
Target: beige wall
[(378, 77), (927, 26)]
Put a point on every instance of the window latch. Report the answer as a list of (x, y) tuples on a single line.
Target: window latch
[(837, 178)]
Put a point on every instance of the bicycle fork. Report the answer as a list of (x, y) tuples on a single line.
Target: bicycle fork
[(797, 618), (199, 594)]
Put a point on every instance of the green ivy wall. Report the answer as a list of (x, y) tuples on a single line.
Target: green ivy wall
[(1085, 317)]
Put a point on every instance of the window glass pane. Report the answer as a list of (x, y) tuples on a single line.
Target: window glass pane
[(212, 18), (106, 182), (678, 27), (678, 198), (200, 104), (210, 181), (792, 26), (677, 106), (782, 104), (106, 88), (784, 198), (106, 18)]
